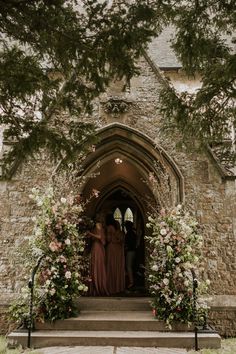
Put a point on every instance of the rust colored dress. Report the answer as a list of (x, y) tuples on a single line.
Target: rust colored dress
[(115, 261), (97, 266)]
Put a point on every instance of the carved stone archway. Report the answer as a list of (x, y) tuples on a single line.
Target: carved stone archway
[(121, 164), (124, 158)]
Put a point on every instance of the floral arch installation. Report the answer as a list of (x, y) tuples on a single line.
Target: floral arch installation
[(126, 157)]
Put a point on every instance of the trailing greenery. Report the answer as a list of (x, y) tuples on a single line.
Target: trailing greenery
[(175, 255), (63, 273)]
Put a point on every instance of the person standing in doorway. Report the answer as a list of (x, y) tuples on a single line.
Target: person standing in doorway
[(130, 247), (97, 266), (115, 260)]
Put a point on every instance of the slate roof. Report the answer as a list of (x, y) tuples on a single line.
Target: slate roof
[(161, 52)]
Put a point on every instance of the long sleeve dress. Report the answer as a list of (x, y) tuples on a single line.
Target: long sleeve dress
[(97, 266), (115, 261)]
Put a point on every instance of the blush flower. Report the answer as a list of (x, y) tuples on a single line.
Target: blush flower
[(54, 246), (68, 274)]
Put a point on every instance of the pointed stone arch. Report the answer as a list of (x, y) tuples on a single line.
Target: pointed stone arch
[(138, 155)]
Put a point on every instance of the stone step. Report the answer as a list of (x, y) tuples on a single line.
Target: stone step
[(112, 321), (114, 303), (42, 339)]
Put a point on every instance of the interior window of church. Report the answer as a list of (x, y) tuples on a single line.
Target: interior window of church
[(129, 215), (118, 215)]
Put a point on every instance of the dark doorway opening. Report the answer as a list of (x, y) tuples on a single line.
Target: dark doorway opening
[(124, 207)]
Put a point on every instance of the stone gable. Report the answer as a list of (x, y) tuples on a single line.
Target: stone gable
[(207, 190)]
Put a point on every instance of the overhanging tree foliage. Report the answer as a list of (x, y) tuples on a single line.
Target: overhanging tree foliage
[(60, 54), (204, 42)]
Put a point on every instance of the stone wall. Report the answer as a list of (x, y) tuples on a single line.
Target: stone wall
[(208, 193), (16, 226), (222, 315)]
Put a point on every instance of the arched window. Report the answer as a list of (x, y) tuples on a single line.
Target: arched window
[(129, 215), (118, 215)]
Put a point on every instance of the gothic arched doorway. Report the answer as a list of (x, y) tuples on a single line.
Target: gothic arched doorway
[(119, 169), (125, 207)]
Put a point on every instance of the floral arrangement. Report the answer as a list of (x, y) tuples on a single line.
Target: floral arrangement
[(63, 273), (175, 248)]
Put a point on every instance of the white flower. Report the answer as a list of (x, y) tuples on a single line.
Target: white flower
[(39, 202), (166, 281), (177, 260), (76, 274), (163, 232), (80, 287), (155, 267), (63, 200), (48, 282), (68, 274), (67, 242), (208, 282)]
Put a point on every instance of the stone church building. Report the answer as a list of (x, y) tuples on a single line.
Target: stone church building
[(130, 148)]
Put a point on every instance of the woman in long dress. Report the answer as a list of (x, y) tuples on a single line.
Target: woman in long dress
[(98, 269), (115, 261)]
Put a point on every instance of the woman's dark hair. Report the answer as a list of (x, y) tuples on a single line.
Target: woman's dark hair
[(129, 225), (110, 220)]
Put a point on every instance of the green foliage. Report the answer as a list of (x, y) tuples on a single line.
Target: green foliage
[(59, 55), (5, 350), (175, 253), (63, 273), (204, 43)]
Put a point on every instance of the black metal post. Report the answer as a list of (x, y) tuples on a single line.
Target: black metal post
[(195, 285), (31, 286)]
